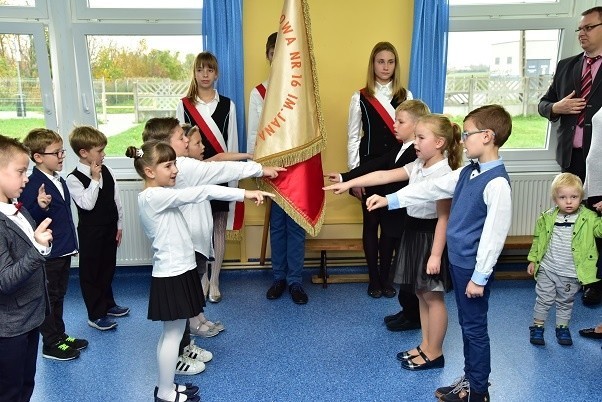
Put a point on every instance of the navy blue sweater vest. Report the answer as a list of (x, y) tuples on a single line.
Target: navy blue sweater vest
[(105, 209), (467, 216)]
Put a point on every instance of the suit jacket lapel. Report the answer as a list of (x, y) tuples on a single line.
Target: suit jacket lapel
[(15, 228)]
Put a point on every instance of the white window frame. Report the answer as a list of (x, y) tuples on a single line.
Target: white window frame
[(564, 16), (39, 11), (36, 30)]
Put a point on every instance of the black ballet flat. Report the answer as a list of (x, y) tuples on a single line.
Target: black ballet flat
[(590, 333), (428, 364), (405, 355)]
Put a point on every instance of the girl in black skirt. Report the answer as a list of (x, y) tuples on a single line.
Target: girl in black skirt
[(422, 257), (175, 284)]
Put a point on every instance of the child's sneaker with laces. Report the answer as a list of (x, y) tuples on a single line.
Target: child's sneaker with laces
[(75, 343), (459, 392), (197, 353), (536, 335), (188, 366), (563, 335), (60, 351), (439, 392)]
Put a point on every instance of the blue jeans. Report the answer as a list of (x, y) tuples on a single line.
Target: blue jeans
[(472, 315), (287, 240)]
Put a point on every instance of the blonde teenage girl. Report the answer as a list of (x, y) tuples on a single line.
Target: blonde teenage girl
[(175, 284), (215, 116), (422, 259), (371, 134)]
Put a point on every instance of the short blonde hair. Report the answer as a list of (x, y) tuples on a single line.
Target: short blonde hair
[(414, 107), (564, 180), (86, 137), (38, 139)]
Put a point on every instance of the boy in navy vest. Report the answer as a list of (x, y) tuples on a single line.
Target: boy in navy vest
[(478, 224), (46, 196), (94, 189)]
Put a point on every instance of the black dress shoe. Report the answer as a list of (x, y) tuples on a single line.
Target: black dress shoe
[(591, 296), (297, 293), (393, 317), (590, 333), (428, 364), (402, 324), (389, 292), (374, 292), (276, 290)]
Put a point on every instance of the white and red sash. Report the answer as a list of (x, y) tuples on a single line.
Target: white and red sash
[(215, 137), (386, 111)]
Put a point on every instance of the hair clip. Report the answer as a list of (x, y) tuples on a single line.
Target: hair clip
[(139, 153)]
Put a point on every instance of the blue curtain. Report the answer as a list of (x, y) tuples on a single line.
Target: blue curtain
[(222, 36), (428, 62)]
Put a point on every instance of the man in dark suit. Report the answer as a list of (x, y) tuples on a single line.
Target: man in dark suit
[(571, 102)]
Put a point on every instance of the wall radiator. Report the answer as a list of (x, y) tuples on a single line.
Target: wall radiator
[(530, 196)]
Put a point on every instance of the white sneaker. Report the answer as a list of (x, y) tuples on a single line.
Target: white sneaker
[(197, 353), (188, 366)]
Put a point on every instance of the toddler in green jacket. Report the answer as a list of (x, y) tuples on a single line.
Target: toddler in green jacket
[(563, 256)]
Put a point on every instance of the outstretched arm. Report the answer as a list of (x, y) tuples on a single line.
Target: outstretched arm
[(371, 179)]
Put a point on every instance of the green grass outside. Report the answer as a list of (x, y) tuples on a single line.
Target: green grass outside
[(527, 133), (116, 146)]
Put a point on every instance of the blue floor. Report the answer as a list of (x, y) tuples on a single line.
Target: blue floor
[(335, 348)]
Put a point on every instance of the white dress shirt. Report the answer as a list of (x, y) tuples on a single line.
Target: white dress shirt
[(192, 173), (255, 109), (165, 226), (86, 198)]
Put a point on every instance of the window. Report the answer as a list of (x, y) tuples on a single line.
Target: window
[(514, 49), (135, 78), (26, 94)]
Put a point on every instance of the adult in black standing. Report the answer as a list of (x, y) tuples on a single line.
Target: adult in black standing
[(570, 103)]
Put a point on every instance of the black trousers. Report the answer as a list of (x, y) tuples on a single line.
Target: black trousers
[(18, 357), (57, 277), (577, 166), (97, 260)]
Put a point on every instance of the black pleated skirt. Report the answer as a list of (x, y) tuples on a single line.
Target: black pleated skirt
[(175, 297), (413, 254)]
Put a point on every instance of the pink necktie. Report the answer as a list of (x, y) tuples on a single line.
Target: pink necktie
[(586, 85)]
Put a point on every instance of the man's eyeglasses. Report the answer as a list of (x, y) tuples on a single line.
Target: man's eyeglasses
[(58, 154), (466, 134), (587, 28)]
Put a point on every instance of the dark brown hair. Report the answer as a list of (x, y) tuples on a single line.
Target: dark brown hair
[(494, 118), (150, 154)]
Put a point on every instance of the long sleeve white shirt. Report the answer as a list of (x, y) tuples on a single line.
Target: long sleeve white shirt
[(255, 109), (192, 173), (165, 226), (86, 198), (497, 197)]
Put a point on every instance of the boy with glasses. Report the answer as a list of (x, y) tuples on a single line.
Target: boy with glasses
[(46, 196)]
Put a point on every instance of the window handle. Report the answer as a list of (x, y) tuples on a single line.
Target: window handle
[(85, 106)]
